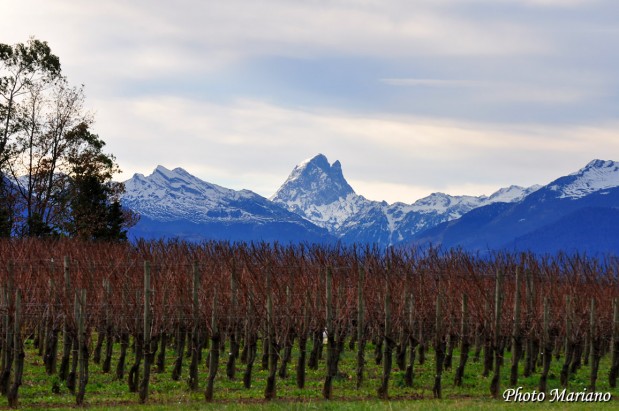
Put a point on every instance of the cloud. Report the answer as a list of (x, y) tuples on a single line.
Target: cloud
[(431, 95), (424, 82), (561, 92), (254, 145)]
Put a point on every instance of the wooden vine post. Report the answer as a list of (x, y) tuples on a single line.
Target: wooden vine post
[(361, 337), (498, 351), (180, 335), (271, 389), (251, 342), (214, 352), (516, 333), (412, 340), (465, 342), (163, 343), (8, 346), (303, 335), (529, 362), (18, 347), (82, 342), (196, 332), (124, 338), (331, 346), (439, 346), (148, 357), (614, 347), (109, 335), (233, 324), (67, 341), (51, 343), (487, 337), (383, 390)]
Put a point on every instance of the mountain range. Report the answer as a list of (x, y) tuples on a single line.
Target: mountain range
[(175, 204), (575, 213), (316, 204)]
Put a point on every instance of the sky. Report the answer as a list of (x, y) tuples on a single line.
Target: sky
[(412, 96)]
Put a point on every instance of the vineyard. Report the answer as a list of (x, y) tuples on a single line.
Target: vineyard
[(290, 309)]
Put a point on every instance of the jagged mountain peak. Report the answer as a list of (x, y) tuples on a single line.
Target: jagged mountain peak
[(595, 176), (174, 203), (319, 160), (314, 181), (163, 180), (166, 195), (177, 173), (511, 194), (167, 172), (318, 191), (598, 164)]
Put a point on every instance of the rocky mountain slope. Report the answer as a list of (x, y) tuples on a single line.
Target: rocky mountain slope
[(574, 213), (318, 191), (174, 203)]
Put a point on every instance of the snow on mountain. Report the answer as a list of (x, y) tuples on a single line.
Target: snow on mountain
[(574, 213), (318, 192), (595, 176), (316, 203), (511, 194), (175, 204), (168, 195)]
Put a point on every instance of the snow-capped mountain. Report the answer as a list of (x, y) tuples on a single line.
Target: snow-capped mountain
[(578, 212), (318, 192), (174, 203), (595, 176), (168, 195)]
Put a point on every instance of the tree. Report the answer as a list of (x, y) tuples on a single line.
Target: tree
[(23, 66), (54, 177), (91, 197), (38, 155), (25, 69)]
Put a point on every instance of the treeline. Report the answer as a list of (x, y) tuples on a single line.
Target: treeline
[(55, 177), (250, 305)]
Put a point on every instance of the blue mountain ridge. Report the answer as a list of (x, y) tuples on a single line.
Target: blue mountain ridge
[(543, 222), (175, 204), (317, 205)]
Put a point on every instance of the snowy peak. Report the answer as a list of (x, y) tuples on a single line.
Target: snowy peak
[(455, 206), (314, 181), (176, 204), (441, 203), (595, 176), (176, 174), (511, 194), (167, 195), (172, 184), (318, 192)]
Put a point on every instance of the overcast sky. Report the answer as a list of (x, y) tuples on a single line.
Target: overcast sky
[(412, 96)]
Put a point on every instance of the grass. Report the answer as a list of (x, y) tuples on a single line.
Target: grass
[(105, 392)]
